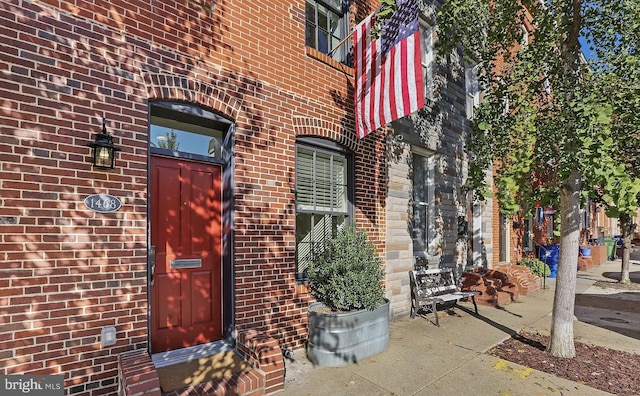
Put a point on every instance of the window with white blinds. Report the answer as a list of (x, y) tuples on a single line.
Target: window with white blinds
[(321, 181), (322, 199)]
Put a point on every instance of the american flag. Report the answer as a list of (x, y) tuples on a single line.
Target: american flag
[(388, 71)]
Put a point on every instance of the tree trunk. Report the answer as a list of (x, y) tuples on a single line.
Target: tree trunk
[(561, 342), (627, 234)]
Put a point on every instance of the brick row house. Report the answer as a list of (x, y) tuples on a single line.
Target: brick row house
[(235, 126), (497, 239)]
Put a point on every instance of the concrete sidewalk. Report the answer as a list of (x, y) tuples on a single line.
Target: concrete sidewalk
[(423, 359)]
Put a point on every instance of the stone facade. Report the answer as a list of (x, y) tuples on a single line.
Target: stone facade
[(438, 131)]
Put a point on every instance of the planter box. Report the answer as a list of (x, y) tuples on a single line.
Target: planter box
[(598, 254), (337, 339)]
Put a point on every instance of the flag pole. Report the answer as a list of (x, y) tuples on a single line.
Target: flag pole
[(341, 43), (344, 40)]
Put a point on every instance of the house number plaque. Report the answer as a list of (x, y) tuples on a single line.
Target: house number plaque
[(102, 203)]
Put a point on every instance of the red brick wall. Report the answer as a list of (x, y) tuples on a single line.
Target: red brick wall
[(65, 271), (515, 238), (517, 235)]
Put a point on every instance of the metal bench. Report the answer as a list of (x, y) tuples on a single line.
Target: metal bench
[(430, 287)]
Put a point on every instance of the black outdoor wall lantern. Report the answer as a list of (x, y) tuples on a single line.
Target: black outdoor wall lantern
[(104, 152)]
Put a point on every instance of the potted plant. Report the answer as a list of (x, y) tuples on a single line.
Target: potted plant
[(350, 320)]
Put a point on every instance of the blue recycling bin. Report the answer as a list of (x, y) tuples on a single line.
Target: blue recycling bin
[(549, 254)]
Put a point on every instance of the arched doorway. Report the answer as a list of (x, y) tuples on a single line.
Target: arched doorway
[(190, 272)]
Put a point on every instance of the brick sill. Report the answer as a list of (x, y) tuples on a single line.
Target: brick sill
[(315, 54)]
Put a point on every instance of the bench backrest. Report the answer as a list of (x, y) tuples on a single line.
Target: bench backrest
[(433, 282)]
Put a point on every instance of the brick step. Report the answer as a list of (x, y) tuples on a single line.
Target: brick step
[(218, 374), (255, 368), (246, 382), (585, 263), (501, 285), (521, 276), (494, 298)]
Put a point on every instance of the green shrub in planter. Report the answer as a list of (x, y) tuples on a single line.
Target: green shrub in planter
[(536, 266), (346, 275)]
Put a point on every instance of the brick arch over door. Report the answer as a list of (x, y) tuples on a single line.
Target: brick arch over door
[(180, 88), (163, 86), (310, 126)]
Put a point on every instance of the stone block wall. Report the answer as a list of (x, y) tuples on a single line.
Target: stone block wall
[(438, 130)]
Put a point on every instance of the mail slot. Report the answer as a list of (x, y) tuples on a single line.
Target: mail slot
[(188, 263)]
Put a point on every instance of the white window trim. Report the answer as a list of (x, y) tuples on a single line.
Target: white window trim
[(527, 224), (428, 57), (546, 85), (524, 41), (472, 89), (431, 241), (319, 146), (477, 253), (340, 54)]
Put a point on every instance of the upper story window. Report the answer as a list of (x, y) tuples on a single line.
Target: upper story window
[(426, 36), (326, 26), (546, 85), (472, 88), (550, 223), (324, 196), (525, 35), (527, 234)]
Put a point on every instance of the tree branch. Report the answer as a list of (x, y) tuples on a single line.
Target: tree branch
[(574, 31)]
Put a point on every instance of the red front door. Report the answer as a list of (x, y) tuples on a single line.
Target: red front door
[(186, 302)]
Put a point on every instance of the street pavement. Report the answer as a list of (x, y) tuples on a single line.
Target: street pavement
[(423, 359)]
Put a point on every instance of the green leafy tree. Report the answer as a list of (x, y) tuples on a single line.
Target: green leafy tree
[(616, 75), (387, 8), (170, 142), (546, 122)]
